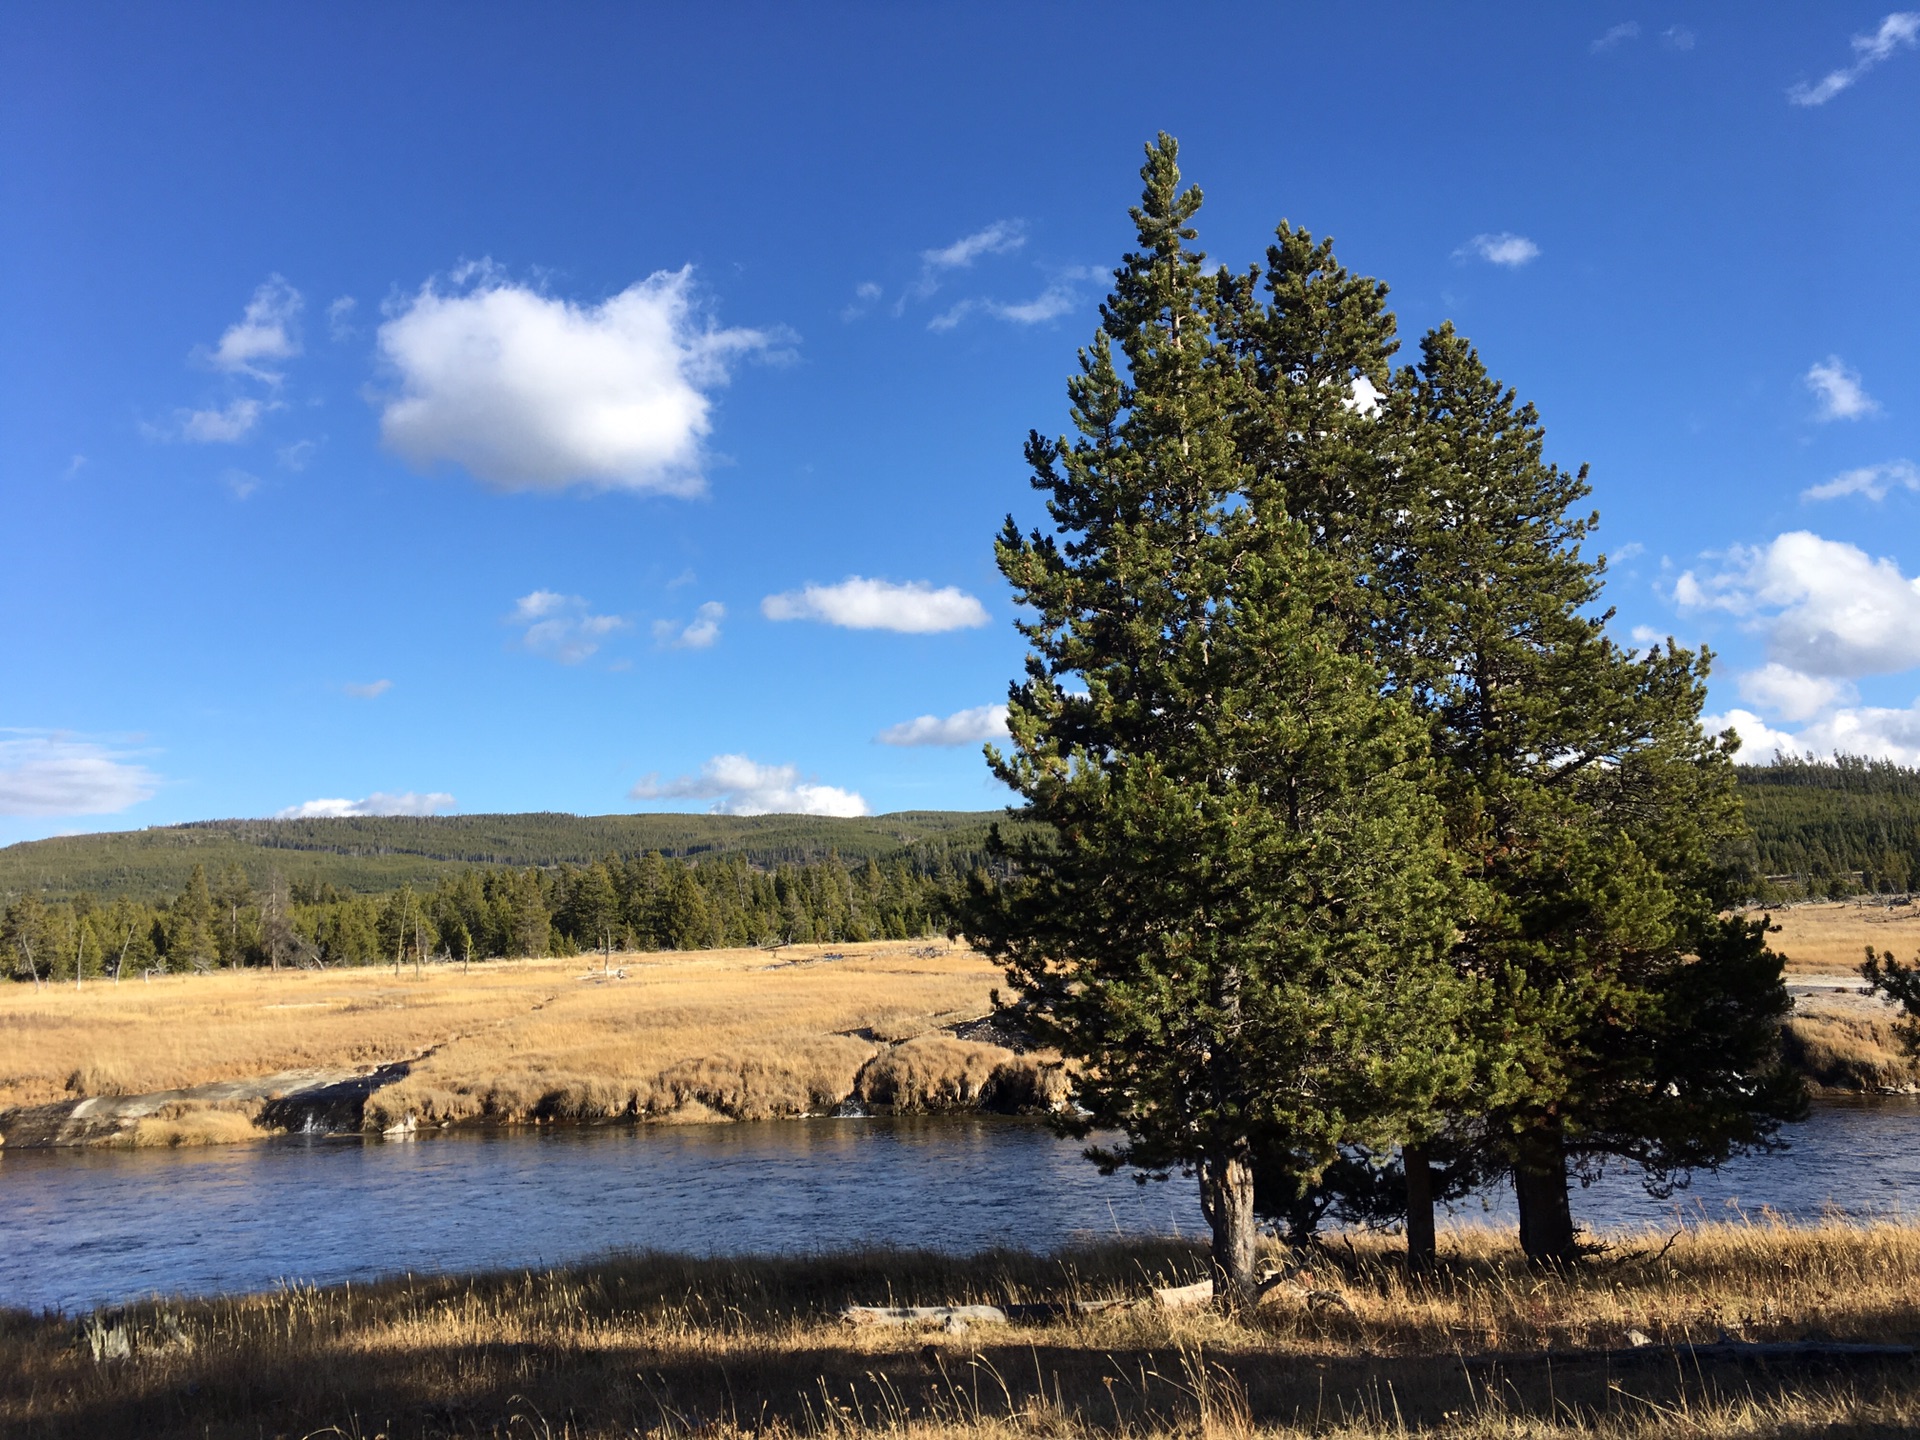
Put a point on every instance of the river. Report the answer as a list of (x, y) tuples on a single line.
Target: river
[(90, 1227)]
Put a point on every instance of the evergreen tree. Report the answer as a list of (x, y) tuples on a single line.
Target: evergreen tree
[(192, 943), (1238, 919), (1627, 1015)]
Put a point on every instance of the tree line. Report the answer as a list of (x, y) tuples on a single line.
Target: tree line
[(1827, 829), (642, 902), (1367, 866)]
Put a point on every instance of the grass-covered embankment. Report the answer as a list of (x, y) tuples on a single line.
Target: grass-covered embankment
[(679, 1036), (673, 1346)]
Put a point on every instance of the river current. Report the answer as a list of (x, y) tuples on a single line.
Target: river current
[(86, 1228)]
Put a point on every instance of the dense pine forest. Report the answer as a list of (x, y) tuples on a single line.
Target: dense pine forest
[(381, 890)]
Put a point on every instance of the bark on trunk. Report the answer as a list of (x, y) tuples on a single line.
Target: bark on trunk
[(1421, 1248), (1226, 1199), (1540, 1188)]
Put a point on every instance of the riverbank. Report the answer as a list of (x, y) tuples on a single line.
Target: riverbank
[(669, 1038), (672, 1037), (1646, 1340)]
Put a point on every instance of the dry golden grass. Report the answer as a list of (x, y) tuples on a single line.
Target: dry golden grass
[(667, 1346), (719, 1033), (1832, 939)]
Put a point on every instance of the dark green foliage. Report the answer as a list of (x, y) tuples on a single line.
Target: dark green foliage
[(1829, 828), (1238, 917)]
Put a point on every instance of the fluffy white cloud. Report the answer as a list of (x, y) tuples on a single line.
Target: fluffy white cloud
[(1839, 391), (48, 775), (1505, 248), (697, 634), (963, 727), (527, 392), (378, 803), (372, 690), (265, 333), (224, 426), (1827, 608), (1759, 742), (1877, 732), (1614, 38), (1900, 29), (1872, 481), (738, 786), (562, 627), (1790, 694), (856, 603)]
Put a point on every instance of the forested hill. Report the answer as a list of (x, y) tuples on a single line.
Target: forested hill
[(374, 854), (1836, 826)]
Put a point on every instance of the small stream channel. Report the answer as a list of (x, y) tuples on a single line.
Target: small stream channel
[(91, 1227)]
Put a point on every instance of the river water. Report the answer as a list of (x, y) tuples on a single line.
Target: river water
[(85, 1228)]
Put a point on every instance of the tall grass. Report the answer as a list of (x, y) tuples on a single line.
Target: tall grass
[(671, 1346)]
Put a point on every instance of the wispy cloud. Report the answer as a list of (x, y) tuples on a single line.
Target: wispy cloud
[(1000, 238), (1616, 37), (528, 392), (562, 627), (1839, 391), (371, 690), (1900, 30), (865, 294), (856, 603), (52, 774), (1677, 37), (410, 802), (266, 332), (1504, 248), (739, 786), (698, 633), (226, 425), (1872, 481), (963, 727), (340, 318)]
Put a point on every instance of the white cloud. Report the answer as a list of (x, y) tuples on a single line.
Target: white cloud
[(240, 483), (1759, 742), (1877, 732), (378, 803), (1838, 389), (298, 455), (372, 690), (1872, 481), (1790, 694), (340, 318), (225, 426), (697, 634), (915, 608), (1505, 248), (1049, 304), (1827, 608), (1647, 635), (562, 627), (527, 392), (1677, 37), (48, 775), (265, 332), (947, 319), (738, 786), (963, 727), (998, 238), (1632, 550), (1615, 37), (1901, 28)]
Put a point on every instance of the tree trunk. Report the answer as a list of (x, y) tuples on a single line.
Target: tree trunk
[(1226, 1199), (1540, 1187), (1421, 1247)]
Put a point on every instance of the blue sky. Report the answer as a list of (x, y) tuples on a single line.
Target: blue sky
[(611, 407)]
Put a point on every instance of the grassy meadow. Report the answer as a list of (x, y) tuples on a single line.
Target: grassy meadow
[(668, 1346), (688, 1035)]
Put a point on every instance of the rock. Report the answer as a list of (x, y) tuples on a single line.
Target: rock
[(1637, 1338)]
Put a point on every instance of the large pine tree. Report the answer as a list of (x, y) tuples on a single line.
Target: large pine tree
[(1238, 916)]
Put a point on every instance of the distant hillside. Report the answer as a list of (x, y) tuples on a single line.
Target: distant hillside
[(1844, 824), (370, 855)]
